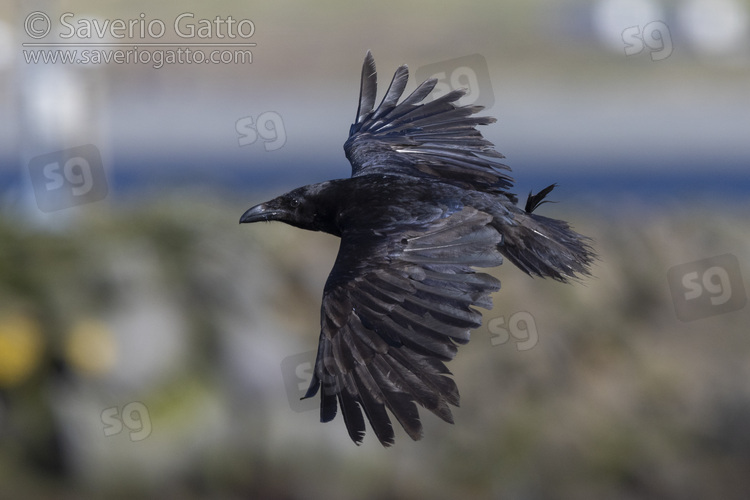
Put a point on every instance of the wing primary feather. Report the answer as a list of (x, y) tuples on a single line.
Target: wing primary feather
[(429, 371), (395, 90), (422, 91), (368, 87), (355, 423), (407, 381)]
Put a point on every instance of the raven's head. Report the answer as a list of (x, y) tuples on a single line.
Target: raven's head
[(309, 207)]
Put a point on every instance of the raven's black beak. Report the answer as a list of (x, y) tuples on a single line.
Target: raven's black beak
[(256, 214)]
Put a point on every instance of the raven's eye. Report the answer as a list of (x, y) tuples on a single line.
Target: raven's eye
[(294, 203)]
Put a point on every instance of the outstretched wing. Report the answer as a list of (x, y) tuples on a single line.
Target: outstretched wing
[(434, 139), (394, 309)]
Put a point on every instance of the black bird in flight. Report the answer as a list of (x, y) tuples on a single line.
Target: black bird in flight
[(427, 203)]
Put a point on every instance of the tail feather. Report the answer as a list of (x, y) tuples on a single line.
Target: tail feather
[(534, 200), (541, 246)]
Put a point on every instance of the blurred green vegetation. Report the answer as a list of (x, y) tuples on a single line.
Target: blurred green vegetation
[(618, 399)]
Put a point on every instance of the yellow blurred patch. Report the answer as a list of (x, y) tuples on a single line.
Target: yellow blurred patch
[(90, 347), (21, 348)]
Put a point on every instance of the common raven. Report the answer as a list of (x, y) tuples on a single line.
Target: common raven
[(427, 203)]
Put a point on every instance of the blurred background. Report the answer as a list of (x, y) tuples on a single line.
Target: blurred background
[(151, 347)]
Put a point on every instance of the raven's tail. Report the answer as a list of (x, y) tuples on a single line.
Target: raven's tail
[(545, 247)]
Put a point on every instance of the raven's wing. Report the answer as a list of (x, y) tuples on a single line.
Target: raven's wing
[(435, 139), (394, 309)]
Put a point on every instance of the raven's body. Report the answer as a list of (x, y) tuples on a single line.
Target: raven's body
[(374, 202), (426, 204)]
